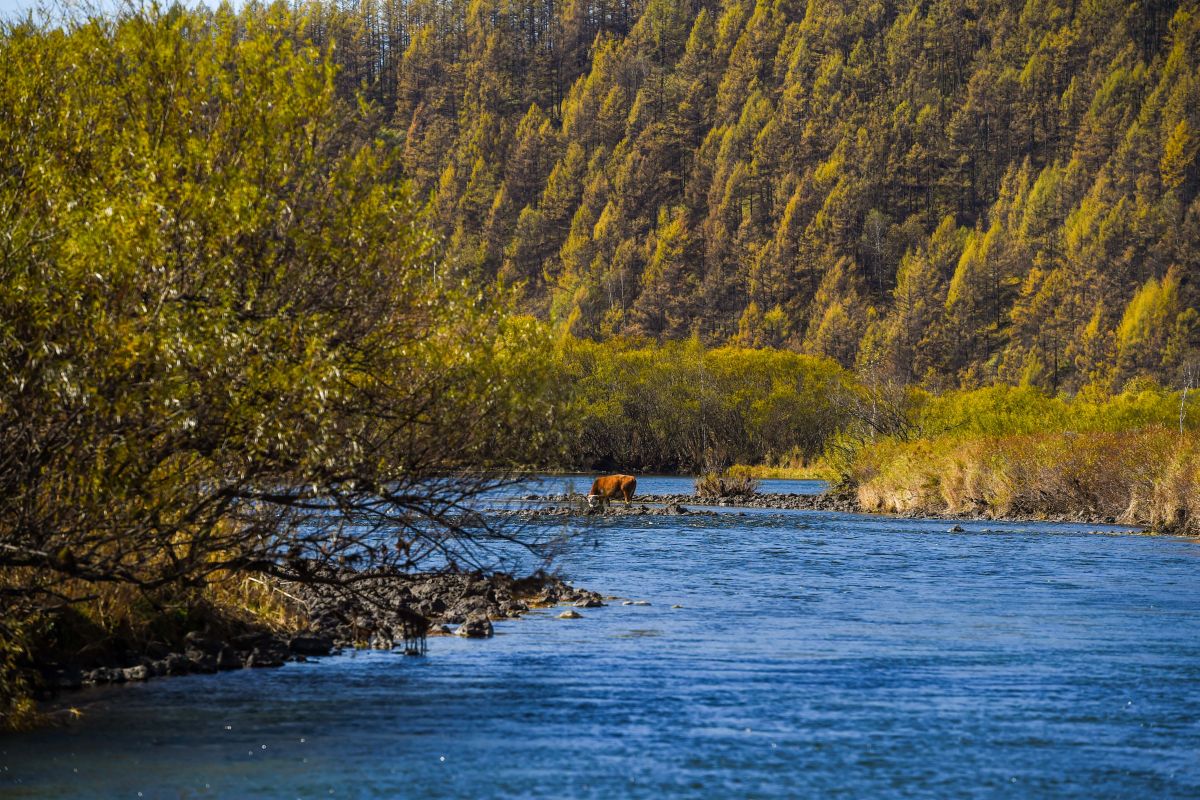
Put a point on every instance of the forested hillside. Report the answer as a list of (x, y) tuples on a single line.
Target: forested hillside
[(952, 193)]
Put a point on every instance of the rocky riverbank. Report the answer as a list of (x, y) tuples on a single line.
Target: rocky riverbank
[(678, 504), (562, 505), (557, 507), (1081, 517), (347, 610), (379, 612), (778, 501)]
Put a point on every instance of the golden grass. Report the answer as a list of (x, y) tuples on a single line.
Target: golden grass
[(256, 600), (814, 472), (1147, 477)]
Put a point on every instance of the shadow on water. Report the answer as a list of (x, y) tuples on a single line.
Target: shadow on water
[(813, 654)]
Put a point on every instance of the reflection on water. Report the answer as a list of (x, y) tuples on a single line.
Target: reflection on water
[(815, 654)]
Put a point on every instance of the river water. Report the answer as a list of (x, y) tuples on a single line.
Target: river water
[(814, 655)]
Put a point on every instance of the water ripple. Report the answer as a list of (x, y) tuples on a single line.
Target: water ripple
[(816, 654)]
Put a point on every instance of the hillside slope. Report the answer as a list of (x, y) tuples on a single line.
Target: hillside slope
[(956, 193)]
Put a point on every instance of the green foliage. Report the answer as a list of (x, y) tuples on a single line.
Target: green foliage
[(222, 319), (680, 407), (1004, 410), (1147, 324)]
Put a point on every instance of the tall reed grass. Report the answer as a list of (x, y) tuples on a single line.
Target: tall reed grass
[(1145, 477)]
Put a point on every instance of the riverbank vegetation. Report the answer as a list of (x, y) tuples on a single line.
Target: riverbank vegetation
[(679, 407), (228, 346), (1148, 477), (1019, 451), (730, 484), (123, 624), (1004, 451)]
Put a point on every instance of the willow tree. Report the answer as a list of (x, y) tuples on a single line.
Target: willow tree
[(225, 340)]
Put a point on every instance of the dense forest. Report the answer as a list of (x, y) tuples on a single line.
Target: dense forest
[(945, 193)]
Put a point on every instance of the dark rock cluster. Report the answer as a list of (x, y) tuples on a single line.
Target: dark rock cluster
[(348, 610), (986, 515), (198, 653), (379, 612), (676, 504), (779, 501), (612, 509)]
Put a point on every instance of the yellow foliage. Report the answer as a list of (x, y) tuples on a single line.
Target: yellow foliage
[(1149, 312), (1179, 153)]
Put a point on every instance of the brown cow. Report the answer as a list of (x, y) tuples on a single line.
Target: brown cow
[(610, 487)]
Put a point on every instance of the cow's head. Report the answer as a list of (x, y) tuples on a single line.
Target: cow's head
[(595, 500)]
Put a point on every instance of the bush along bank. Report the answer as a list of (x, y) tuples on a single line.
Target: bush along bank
[(1148, 477), (229, 345)]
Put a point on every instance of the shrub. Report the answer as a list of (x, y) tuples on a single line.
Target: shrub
[(680, 407), (715, 486), (227, 344)]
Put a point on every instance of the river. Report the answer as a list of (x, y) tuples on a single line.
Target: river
[(813, 655)]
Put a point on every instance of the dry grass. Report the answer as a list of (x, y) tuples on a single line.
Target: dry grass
[(1147, 477)]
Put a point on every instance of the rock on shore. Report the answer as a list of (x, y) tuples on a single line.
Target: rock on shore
[(561, 505), (452, 599), (613, 509), (373, 613)]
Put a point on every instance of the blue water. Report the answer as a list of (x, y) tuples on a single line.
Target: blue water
[(655, 484), (814, 655)]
